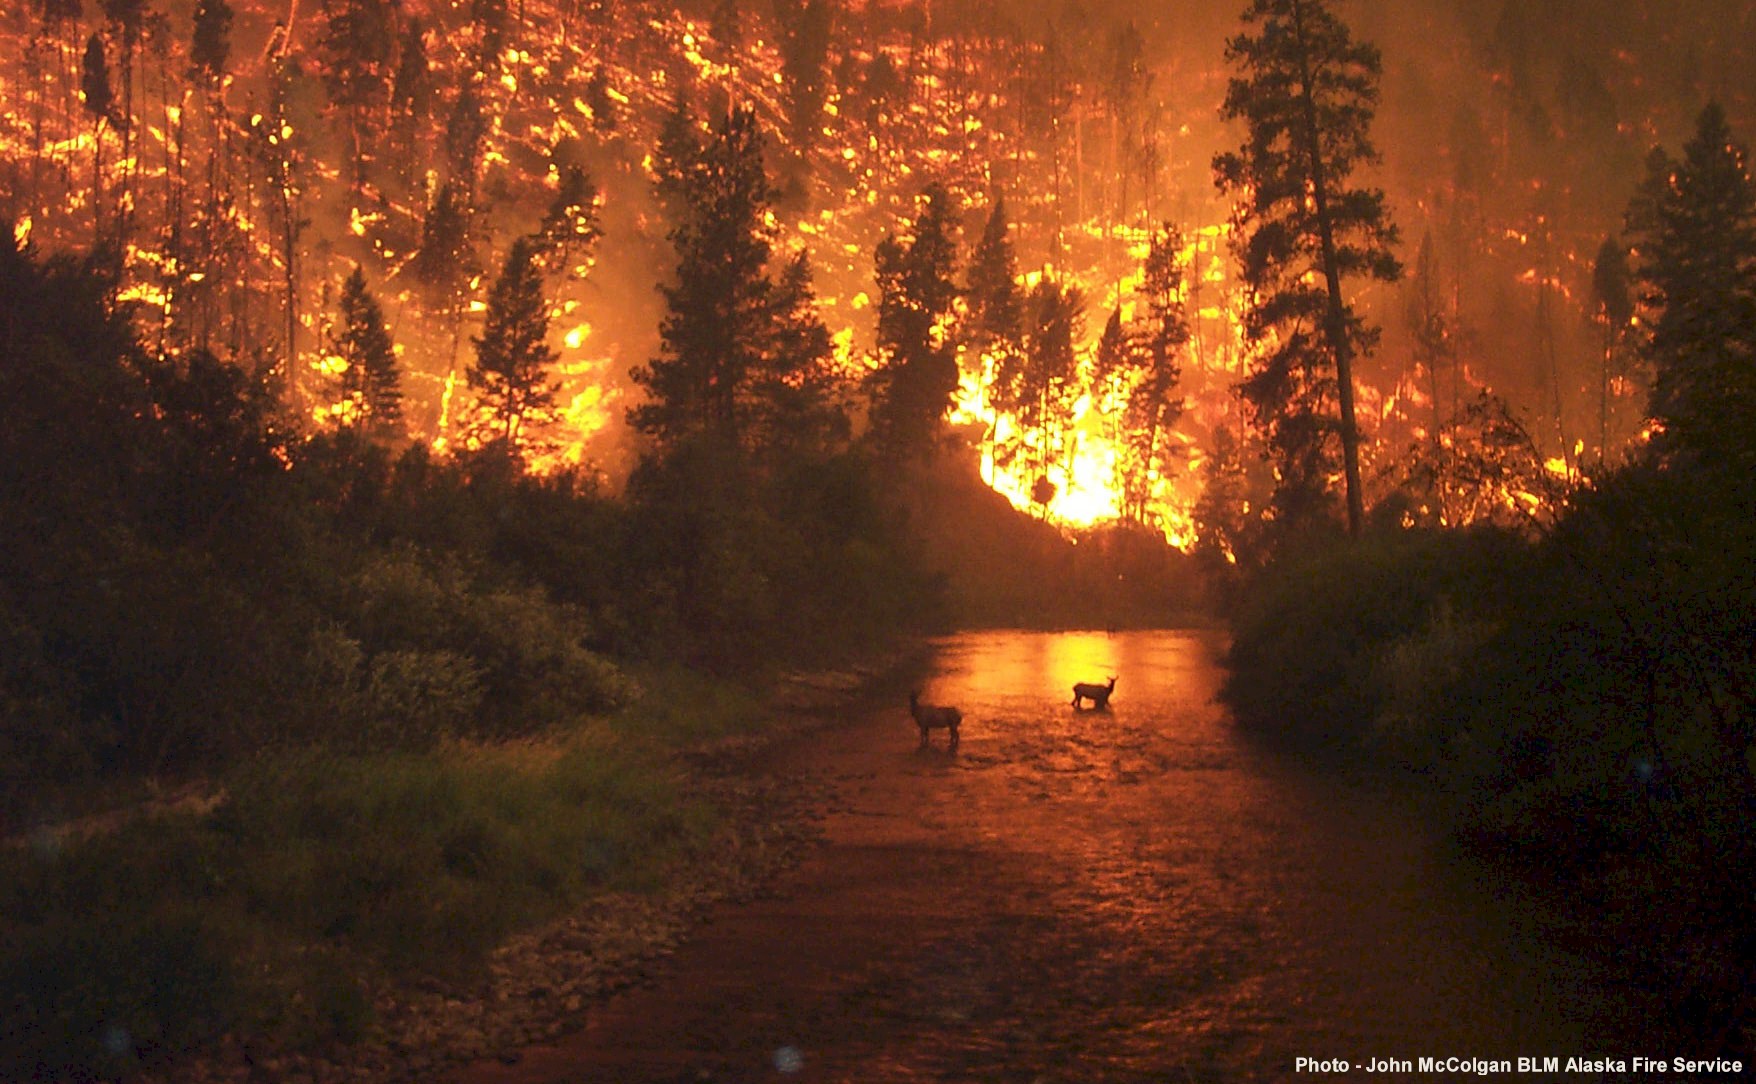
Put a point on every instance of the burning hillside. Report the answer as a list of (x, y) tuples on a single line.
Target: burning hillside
[(241, 161)]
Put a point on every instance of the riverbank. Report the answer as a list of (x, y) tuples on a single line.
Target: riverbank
[(337, 920)]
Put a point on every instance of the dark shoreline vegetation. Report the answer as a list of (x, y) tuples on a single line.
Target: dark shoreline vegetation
[(1575, 704)]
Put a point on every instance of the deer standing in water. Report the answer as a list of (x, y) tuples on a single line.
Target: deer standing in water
[(1099, 695), (929, 718)]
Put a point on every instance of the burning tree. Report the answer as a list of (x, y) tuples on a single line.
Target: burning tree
[(1306, 93), (411, 97), (100, 102), (1153, 406), (1038, 385), (371, 383), (513, 356), (358, 43), (994, 325), (1612, 292)]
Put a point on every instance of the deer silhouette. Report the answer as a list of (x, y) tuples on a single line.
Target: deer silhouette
[(929, 718), (1099, 695)]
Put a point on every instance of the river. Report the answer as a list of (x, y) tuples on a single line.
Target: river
[(1134, 894)]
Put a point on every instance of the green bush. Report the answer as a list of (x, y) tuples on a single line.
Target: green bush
[(1311, 637), (415, 698), (1417, 678), (420, 649)]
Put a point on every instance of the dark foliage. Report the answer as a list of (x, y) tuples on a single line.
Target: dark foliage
[(913, 386), (513, 357), (1306, 92)]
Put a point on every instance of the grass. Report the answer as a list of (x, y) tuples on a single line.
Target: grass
[(316, 877), (682, 707)]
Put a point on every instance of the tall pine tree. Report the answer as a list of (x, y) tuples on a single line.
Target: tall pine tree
[(993, 327), (1153, 405), (1612, 295), (1306, 93), (1693, 227), (571, 226), (513, 356), (916, 379), (1039, 385), (100, 103), (358, 46), (371, 382), (737, 330)]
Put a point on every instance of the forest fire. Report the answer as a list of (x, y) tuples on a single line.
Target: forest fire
[(239, 212), (436, 430)]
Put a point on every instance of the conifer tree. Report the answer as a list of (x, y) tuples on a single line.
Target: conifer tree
[(1222, 512), (996, 305), (1118, 359), (679, 146), (210, 50), (127, 25), (1431, 329), (1693, 227), (1153, 405), (1612, 294), (570, 226), (358, 43), (210, 43), (794, 412), (513, 357), (411, 96), (597, 96), (1306, 93), (805, 27), (1039, 385), (444, 261), (465, 129), (916, 380), (713, 334), (994, 325), (371, 383), (100, 104), (736, 331)]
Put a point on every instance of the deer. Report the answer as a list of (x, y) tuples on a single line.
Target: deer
[(929, 718), (1099, 695)]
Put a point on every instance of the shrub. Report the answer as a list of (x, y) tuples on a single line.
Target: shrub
[(1416, 678), (412, 699), (422, 649), (1311, 637)]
